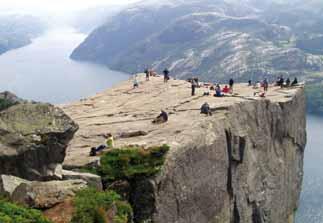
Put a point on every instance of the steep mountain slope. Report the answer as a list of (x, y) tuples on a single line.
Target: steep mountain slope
[(18, 30), (212, 39)]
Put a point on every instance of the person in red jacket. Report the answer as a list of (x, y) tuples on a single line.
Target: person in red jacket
[(226, 90)]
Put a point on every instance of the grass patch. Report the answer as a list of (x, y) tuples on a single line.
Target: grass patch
[(129, 163), (11, 213), (93, 206)]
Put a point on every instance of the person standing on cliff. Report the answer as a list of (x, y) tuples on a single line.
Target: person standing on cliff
[(193, 86), (166, 75), (147, 72), (266, 84), (231, 83)]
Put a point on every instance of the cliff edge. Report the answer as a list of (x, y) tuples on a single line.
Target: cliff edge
[(242, 164)]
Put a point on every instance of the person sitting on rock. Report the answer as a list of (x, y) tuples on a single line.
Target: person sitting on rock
[(287, 82), (218, 91), (135, 82), (205, 109), (110, 141), (161, 118), (295, 82), (226, 89), (207, 92)]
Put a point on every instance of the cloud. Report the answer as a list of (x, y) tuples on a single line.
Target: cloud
[(56, 5)]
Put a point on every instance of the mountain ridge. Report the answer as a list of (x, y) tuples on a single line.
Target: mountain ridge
[(180, 34)]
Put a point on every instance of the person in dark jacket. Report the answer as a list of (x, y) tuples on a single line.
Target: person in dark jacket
[(147, 72), (266, 84), (193, 86), (295, 82), (97, 150), (231, 83), (161, 118), (287, 82), (166, 75)]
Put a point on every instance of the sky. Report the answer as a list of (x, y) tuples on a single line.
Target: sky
[(56, 5)]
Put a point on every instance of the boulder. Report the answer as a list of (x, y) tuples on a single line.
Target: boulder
[(8, 184), (91, 179), (33, 140), (44, 195)]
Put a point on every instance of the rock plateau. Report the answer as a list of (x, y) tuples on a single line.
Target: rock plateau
[(242, 164)]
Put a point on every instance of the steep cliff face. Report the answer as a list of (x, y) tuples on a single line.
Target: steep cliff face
[(245, 167), (242, 164)]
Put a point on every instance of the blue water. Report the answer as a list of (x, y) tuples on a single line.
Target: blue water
[(311, 205), (43, 71)]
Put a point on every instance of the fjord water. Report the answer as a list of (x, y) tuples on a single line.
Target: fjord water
[(42, 71), (311, 204)]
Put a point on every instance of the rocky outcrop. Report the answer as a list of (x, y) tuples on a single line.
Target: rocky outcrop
[(33, 139), (8, 184), (44, 195), (91, 179), (242, 164)]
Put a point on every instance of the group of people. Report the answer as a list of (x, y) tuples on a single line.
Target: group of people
[(150, 73), (282, 83), (205, 108), (218, 91)]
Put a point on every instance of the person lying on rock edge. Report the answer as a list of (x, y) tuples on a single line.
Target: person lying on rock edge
[(100, 149)]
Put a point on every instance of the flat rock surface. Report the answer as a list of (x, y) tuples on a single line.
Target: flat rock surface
[(122, 110)]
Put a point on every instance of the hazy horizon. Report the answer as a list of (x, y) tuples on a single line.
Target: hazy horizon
[(57, 6)]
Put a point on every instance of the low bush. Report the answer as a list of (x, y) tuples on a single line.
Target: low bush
[(92, 207), (11, 213), (132, 162)]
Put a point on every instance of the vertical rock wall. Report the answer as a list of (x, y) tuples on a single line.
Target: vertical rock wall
[(246, 166)]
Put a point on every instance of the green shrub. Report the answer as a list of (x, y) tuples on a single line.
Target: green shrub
[(11, 213), (92, 206), (132, 162)]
